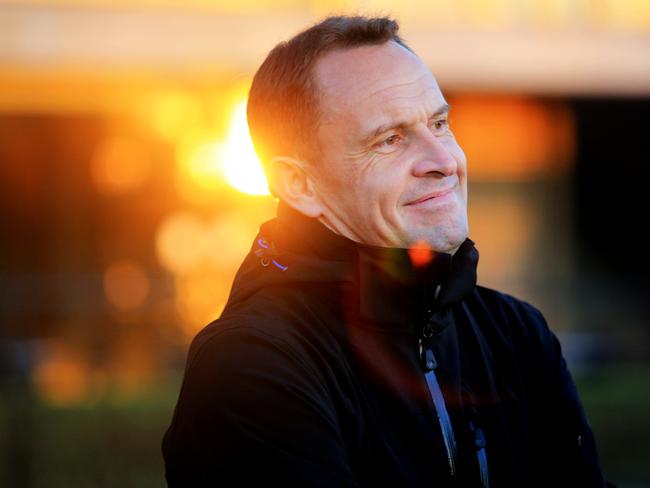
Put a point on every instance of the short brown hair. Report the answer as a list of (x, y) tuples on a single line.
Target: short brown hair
[(283, 109)]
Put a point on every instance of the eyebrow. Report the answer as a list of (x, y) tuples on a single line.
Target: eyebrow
[(399, 125)]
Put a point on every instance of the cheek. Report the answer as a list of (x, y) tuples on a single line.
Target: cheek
[(334, 182), (387, 183)]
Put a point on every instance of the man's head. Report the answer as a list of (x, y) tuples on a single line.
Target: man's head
[(353, 130)]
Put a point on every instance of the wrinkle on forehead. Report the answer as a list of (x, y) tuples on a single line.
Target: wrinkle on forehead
[(397, 86), (355, 69), (405, 103), (360, 78)]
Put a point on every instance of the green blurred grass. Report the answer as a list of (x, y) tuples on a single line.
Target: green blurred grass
[(617, 403), (117, 443)]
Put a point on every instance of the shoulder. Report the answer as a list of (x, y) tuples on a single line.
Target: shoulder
[(510, 305), (505, 315), (514, 328), (233, 365), (246, 391), (241, 342), (285, 318), (272, 327)]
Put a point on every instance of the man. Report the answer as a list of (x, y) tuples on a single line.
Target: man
[(356, 348)]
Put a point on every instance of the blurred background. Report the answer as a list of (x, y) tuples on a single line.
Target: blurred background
[(129, 194)]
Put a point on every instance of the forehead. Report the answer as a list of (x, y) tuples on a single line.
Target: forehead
[(373, 84)]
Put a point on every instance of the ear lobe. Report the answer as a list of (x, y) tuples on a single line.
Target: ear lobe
[(292, 184)]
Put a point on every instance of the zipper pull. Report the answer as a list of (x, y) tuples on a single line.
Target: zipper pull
[(427, 358), (481, 454)]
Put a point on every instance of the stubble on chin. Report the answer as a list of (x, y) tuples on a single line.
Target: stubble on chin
[(444, 237)]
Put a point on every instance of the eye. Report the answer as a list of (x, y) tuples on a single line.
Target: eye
[(389, 142), (392, 140), (440, 126)]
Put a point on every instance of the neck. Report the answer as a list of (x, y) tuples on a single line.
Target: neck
[(326, 222), (388, 284)]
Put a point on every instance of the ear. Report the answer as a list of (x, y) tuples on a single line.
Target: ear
[(292, 184)]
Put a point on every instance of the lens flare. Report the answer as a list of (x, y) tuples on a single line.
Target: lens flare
[(420, 253)]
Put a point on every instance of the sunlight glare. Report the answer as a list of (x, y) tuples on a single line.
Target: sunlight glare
[(242, 168)]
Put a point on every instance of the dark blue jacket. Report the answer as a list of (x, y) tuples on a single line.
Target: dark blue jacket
[(315, 375)]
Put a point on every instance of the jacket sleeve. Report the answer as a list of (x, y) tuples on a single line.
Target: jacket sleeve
[(567, 454), (251, 411)]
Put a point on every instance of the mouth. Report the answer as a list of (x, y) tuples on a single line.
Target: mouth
[(433, 195)]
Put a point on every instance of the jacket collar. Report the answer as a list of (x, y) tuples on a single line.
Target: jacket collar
[(387, 290)]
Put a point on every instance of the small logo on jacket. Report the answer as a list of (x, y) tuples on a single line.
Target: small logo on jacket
[(265, 253)]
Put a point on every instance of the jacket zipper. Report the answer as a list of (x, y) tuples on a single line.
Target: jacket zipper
[(429, 363)]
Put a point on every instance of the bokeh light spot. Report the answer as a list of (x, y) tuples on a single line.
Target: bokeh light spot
[(120, 165), (62, 376), (179, 242), (126, 284)]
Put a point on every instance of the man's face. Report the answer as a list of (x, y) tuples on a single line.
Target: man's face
[(391, 172)]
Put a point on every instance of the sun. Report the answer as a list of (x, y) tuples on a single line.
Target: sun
[(242, 167)]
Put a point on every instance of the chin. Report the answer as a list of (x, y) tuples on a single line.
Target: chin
[(442, 239)]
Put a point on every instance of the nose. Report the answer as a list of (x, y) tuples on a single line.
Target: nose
[(434, 156)]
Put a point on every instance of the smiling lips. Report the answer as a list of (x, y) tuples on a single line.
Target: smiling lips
[(433, 195)]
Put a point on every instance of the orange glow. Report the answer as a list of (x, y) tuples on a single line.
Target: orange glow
[(120, 165), (505, 226), (174, 113), (179, 242), (184, 242), (62, 377), (199, 175), (200, 298), (241, 165), (420, 253), (132, 365), (200, 160), (206, 165), (229, 240), (203, 256), (126, 285), (512, 138)]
